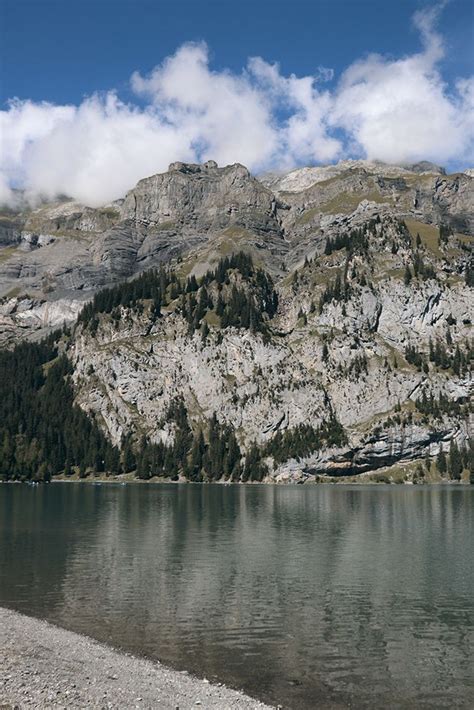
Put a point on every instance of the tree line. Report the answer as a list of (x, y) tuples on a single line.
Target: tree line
[(354, 241), (42, 431), (457, 460), (248, 304), (443, 356), (434, 407), (304, 440), (210, 453)]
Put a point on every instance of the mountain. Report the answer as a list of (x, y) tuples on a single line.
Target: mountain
[(301, 178), (291, 327), (60, 254)]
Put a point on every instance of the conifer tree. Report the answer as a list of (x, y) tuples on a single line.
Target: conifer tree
[(469, 275), (197, 457), (455, 462), (204, 331), (128, 456)]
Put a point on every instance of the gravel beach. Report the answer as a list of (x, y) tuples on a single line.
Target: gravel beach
[(43, 666)]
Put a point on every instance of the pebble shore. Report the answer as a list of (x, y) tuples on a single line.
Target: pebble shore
[(43, 666)]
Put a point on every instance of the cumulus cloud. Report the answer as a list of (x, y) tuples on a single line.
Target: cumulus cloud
[(93, 152), (304, 136), (221, 115), (395, 110), (401, 110)]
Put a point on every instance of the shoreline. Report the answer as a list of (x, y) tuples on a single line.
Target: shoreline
[(46, 666), (401, 473), (372, 480), (446, 483)]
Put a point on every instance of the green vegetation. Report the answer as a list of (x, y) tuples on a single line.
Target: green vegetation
[(455, 461), (428, 233), (430, 406), (109, 212), (458, 460), (356, 241), (6, 253), (445, 231), (469, 275), (407, 277), (442, 356), (244, 302), (304, 440), (356, 367), (346, 202), (213, 453), (150, 285), (338, 290), (42, 432), (422, 270), (207, 455)]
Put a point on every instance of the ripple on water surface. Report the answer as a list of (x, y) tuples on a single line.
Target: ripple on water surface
[(342, 596)]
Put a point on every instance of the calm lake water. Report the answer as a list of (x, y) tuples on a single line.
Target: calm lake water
[(323, 596)]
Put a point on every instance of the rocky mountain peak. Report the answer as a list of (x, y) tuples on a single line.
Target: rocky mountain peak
[(302, 178), (199, 212), (320, 320), (425, 167), (205, 195), (192, 167)]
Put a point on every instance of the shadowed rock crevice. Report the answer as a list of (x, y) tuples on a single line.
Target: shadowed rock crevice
[(370, 271)]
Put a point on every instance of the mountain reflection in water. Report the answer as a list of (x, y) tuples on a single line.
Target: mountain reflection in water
[(343, 596)]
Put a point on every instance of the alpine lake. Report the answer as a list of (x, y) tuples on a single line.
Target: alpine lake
[(316, 596)]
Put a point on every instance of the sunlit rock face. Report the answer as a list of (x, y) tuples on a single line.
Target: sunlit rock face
[(65, 247), (324, 355)]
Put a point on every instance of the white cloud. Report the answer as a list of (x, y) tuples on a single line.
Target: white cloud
[(401, 110), (23, 126), (93, 152), (396, 110), (304, 135), (7, 196), (222, 115)]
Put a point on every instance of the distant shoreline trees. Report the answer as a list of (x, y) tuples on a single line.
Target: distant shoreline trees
[(44, 433)]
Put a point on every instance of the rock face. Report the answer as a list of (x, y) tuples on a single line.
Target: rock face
[(373, 269), (302, 178), (204, 197), (130, 372), (68, 251), (59, 250)]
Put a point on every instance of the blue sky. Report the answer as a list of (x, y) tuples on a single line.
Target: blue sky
[(126, 92), (60, 50)]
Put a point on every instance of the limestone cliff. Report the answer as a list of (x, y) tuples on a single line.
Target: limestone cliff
[(372, 270)]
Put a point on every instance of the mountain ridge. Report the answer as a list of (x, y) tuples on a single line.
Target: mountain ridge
[(64, 252), (320, 332)]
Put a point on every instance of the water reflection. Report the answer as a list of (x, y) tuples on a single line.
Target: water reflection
[(356, 597)]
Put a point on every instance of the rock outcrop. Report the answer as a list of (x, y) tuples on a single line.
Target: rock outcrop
[(372, 265), (59, 250)]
